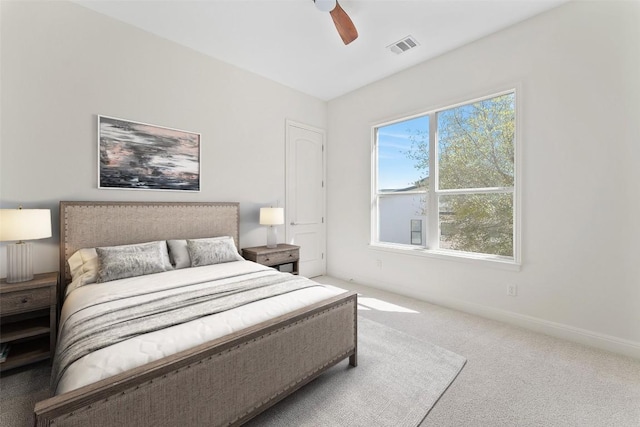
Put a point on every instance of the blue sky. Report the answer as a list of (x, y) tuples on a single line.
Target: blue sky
[(395, 170)]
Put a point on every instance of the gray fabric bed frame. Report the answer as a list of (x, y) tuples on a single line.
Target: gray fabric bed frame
[(226, 381)]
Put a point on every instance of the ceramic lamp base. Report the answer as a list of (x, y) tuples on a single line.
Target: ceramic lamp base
[(272, 237), (19, 262)]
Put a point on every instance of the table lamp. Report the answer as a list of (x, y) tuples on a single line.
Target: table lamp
[(22, 224), (272, 217)]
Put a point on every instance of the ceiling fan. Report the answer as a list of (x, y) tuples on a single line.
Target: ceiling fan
[(343, 23)]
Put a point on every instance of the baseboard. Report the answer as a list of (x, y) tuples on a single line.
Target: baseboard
[(555, 329)]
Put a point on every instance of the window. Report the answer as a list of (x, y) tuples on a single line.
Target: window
[(452, 170), (416, 232)]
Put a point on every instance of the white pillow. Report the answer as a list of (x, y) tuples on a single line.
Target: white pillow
[(83, 265)]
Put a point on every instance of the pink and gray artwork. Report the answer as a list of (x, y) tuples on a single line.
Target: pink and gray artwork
[(142, 156)]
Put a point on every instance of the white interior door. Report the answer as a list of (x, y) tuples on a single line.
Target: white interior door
[(305, 207)]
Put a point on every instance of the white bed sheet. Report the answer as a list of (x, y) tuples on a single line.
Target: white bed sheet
[(152, 346)]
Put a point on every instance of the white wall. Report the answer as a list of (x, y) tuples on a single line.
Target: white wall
[(63, 64), (578, 67)]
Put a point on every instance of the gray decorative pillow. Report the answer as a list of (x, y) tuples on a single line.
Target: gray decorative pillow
[(179, 254), (119, 262), (212, 251)]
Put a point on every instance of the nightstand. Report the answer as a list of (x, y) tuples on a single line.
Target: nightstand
[(276, 257), (28, 316)]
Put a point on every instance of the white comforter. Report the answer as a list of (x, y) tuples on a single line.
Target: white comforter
[(152, 346)]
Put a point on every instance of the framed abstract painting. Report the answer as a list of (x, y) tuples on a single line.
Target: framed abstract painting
[(140, 156)]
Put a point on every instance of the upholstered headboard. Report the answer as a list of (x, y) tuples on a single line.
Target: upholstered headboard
[(93, 224)]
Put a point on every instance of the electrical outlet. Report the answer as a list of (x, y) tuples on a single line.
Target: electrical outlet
[(512, 290), (379, 263)]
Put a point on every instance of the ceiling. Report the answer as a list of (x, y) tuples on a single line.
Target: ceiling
[(293, 43)]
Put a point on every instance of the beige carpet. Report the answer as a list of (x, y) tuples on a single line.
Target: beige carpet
[(513, 377), (20, 389)]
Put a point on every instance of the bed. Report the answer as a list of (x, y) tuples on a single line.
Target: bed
[(225, 380)]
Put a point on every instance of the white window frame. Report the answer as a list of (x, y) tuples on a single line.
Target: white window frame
[(432, 223)]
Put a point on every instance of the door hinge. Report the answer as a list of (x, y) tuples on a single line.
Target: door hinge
[(322, 255), (323, 183), (323, 220)]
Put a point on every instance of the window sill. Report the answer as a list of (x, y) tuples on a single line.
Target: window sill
[(480, 259)]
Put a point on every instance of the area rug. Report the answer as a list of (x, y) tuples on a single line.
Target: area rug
[(396, 383), (398, 380)]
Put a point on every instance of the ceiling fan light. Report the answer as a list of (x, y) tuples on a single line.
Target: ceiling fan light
[(325, 5)]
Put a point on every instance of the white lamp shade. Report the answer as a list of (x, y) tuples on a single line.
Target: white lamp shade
[(24, 224), (271, 216)]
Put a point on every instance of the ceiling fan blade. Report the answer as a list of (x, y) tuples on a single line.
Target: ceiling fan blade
[(343, 24)]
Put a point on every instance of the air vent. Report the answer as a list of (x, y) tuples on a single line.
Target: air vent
[(403, 45)]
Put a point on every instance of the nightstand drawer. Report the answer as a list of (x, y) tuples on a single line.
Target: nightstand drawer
[(277, 257), (16, 302)]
